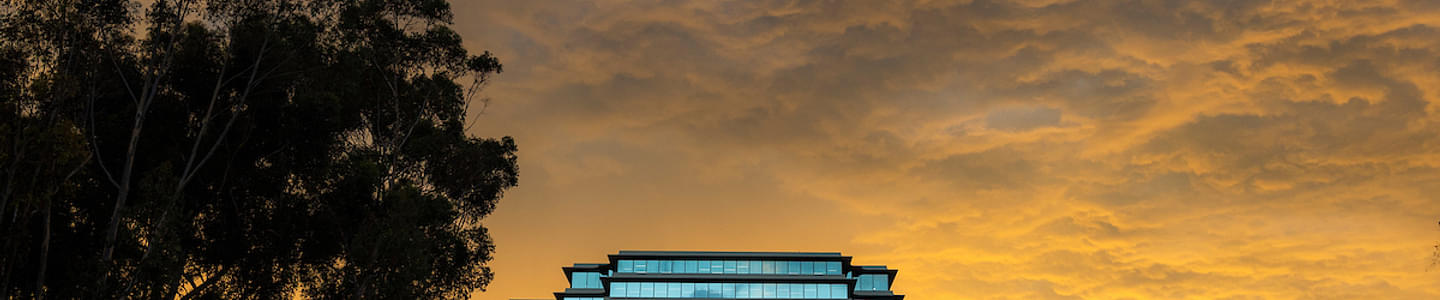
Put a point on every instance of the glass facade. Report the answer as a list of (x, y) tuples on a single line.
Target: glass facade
[(728, 290), (585, 280), (729, 267)]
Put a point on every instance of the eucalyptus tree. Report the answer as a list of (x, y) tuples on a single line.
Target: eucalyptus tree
[(243, 149)]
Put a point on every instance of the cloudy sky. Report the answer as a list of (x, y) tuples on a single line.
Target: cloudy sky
[(988, 150)]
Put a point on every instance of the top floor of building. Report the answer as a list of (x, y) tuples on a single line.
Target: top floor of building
[(727, 275)]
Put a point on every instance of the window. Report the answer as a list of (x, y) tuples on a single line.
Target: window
[(585, 280), (873, 282), (627, 266), (618, 289), (729, 267)]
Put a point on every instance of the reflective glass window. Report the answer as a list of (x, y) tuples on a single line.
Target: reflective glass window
[(729, 267), (688, 290), (873, 282), (617, 289), (627, 266), (585, 280)]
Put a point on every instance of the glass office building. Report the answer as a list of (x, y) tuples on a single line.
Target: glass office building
[(727, 275)]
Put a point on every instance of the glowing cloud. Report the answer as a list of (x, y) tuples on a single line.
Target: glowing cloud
[(988, 150)]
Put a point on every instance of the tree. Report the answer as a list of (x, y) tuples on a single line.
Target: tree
[(243, 149)]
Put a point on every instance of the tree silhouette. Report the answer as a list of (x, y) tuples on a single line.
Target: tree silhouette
[(242, 149)]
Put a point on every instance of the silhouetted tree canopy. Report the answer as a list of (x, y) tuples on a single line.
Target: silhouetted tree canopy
[(242, 149)]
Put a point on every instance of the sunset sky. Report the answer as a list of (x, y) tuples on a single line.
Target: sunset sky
[(986, 149)]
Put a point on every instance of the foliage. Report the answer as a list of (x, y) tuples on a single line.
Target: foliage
[(242, 149)]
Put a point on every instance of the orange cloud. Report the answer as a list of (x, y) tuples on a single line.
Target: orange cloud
[(987, 149)]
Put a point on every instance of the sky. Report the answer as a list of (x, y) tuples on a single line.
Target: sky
[(987, 149)]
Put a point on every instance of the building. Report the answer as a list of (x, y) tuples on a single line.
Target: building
[(727, 275)]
